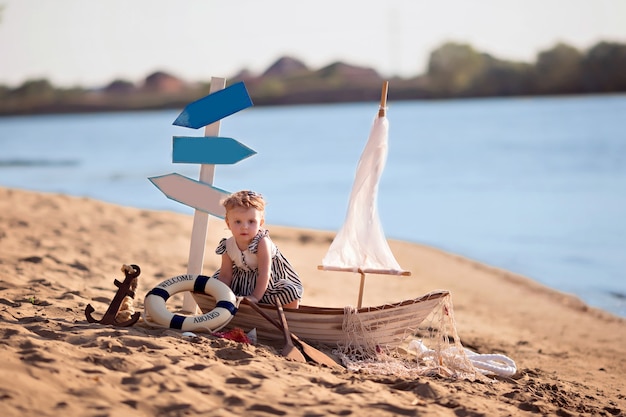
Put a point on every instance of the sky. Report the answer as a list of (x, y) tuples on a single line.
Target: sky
[(89, 43)]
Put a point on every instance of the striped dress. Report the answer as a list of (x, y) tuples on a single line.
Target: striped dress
[(284, 281)]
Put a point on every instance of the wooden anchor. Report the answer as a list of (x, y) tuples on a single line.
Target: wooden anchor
[(124, 289)]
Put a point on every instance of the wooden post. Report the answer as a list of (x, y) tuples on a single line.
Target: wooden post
[(358, 305), (200, 218)]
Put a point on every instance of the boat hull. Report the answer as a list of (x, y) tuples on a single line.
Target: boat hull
[(387, 324)]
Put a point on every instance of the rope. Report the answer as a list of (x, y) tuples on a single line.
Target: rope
[(492, 363), (486, 364)]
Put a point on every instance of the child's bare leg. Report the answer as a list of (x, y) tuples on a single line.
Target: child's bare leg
[(293, 304)]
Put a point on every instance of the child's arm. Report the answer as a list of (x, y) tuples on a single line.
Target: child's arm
[(264, 260), (226, 270)]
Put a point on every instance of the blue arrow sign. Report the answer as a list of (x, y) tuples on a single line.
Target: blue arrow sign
[(196, 194), (214, 107), (208, 150)]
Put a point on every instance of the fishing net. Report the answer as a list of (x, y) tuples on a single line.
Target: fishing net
[(426, 342)]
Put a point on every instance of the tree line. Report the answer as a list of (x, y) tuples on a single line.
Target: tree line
[(455, 70)]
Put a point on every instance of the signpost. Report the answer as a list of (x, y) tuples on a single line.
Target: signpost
[(206, 151)]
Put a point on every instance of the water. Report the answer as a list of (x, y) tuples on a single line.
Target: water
[(532, 185)]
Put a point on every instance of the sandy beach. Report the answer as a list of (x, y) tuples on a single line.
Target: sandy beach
[(59, 253)]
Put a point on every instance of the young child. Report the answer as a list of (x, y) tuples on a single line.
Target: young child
[(252, 266)]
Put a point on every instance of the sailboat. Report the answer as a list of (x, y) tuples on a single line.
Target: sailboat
[(359, 247)]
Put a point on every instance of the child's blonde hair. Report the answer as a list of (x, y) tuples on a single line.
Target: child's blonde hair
[(245, 199)]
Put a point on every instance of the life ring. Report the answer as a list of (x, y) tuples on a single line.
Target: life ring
[(225, 309)]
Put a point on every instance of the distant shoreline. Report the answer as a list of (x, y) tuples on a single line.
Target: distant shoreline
[(455, 71), (263, 102)]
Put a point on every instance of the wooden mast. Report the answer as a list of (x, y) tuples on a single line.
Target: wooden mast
[(382, 110)]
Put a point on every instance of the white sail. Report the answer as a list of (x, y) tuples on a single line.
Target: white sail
[(360, 244)]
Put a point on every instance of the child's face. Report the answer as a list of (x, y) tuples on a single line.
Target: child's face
[(244, 223)]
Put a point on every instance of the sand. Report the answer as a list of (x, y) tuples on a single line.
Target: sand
[(60, 253)]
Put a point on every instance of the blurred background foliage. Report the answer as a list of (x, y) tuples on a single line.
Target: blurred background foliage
[(455, 70)]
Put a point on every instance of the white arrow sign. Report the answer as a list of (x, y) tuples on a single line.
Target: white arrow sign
[(196, 194)]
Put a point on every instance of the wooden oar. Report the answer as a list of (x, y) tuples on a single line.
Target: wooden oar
[(312, 353), (289, 350)]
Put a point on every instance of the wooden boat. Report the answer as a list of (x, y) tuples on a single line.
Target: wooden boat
[(389, 324)]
